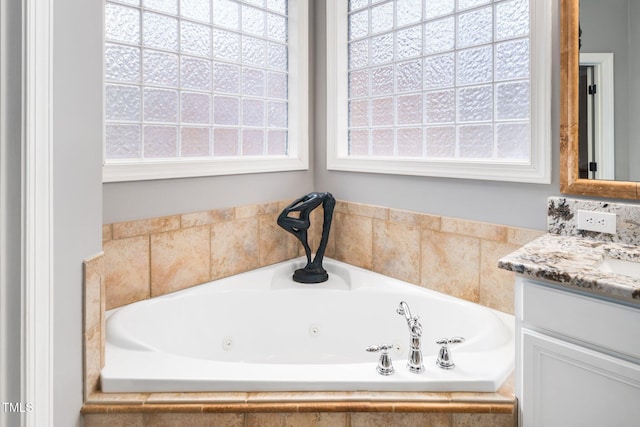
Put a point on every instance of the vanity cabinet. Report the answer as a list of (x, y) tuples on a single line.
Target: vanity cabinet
[(578, 358)]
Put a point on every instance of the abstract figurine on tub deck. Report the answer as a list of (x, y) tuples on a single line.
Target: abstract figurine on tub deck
[(298, 226)]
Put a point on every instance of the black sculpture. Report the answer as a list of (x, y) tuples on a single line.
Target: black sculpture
[(313, 272)]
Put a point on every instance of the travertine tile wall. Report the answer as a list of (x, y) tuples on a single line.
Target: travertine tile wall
[(316, 419), (93, 323), (152, 257), (454, 256)]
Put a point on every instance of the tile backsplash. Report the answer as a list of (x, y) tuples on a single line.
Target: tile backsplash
[(562, 219), (152, 257)]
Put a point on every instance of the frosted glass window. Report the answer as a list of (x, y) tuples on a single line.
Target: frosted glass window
[(439, 79), (382, 18), (122, 24), (161, 141), (359, 54), (409, 42), (253, 20), (382, 142), (382, 111), (382, 80), (410, 142), (409, 12), (441, 141), (199, 79), (439, 35), (195, 39), (382, 49), (440, 106), (167, 6), (126, 141), (198, 10), (253, 143), (226, 142), (123, 63), (359, 113), (409, 110), (196, 142), (277, 85), (160, 105), (359, 142), (195, 73), (227, 14), (279, 6), (475, 28), (123, 102), (160, 31), (195, 108), (277, 143), (160, 68)]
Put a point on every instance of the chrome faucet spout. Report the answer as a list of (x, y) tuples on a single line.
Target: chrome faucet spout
[(403, 309), (414, 363)]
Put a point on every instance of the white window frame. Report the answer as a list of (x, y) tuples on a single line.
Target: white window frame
[(536, 170), (298, 126)]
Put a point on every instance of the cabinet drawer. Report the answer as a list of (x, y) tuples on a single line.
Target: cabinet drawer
[(611, 326)]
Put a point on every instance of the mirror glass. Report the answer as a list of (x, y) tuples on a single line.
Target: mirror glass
[(609, 91)]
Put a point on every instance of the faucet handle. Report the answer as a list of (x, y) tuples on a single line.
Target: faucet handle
[(385, 366), (447, 341), (444, 359)]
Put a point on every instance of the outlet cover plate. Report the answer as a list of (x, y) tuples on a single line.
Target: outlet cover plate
[(601, 222)]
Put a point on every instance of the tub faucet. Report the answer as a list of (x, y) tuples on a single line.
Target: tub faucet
[(414, 362)]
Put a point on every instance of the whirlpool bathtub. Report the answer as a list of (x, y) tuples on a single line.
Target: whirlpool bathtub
[(261, 331)]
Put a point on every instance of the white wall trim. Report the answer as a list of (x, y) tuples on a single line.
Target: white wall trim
[(536, 170), (604, 112), (37, 208)]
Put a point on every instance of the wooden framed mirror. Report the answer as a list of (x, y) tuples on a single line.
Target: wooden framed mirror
[(570, 181)]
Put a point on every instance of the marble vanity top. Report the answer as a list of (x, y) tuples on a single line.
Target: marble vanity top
[(572, 261)]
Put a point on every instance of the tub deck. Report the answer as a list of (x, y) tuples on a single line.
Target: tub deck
[(340, 409)]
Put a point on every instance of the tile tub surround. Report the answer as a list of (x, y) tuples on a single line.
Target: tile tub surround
[(151, 257)]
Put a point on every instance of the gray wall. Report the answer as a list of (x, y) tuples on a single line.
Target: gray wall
[(612, 26), (634, 87), (515, 204), (147, 199), (10, 173), (77, 187)]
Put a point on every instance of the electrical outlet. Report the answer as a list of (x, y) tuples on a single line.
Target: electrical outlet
[(602, 222)]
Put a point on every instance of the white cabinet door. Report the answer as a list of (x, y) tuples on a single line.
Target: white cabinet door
[(567, 385)]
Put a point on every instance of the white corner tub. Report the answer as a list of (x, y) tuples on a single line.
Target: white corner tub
[(261, 331)]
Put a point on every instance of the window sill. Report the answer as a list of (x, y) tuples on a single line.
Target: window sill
[(498, 171), (168, 169)]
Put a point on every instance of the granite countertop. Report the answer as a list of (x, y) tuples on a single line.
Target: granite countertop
[(571, 261)]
